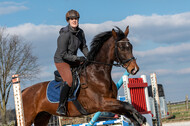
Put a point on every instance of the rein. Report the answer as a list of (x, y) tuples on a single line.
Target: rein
[(108, 64)]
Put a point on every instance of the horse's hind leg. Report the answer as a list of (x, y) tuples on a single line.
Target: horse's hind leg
[(133, 120), (122, 108), (42, 119)]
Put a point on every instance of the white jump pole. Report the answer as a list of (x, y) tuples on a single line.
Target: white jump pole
[(156, 98), (146, 93), (18, 100), (126, 89)]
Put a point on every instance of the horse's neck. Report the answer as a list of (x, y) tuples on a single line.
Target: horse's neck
[(106, 53), (104, 57)]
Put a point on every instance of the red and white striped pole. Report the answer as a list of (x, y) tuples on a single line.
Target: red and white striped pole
[(18, 100)]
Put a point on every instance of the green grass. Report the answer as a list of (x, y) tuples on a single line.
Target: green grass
[(10, 124), (178, 113)]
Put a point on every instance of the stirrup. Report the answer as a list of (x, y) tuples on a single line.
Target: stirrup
[(61, 110)]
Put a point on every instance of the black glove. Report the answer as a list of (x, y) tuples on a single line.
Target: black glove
[(81, 59)]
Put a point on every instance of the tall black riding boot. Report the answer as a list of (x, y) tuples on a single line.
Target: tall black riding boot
[(62, 109)]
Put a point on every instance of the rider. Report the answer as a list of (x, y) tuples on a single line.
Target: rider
[(70, 39)]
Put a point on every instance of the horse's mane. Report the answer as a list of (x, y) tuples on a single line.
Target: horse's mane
[(99, 40)]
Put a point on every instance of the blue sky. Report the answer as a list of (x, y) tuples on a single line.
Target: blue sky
[(159, 32), (92, 11)]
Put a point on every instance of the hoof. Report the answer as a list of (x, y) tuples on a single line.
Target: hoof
[(146, 124), (139, 118)]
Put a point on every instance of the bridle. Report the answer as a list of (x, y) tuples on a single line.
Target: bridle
[(120, 62)]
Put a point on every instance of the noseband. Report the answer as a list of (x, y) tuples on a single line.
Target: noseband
[(120, 61)]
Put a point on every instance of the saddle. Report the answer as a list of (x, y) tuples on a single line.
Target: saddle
[(76, 81), (73, 90)]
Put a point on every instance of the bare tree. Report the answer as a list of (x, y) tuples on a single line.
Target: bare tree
[(15, 58)]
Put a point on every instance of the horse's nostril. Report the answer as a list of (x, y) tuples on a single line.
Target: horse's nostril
[(134, 71)]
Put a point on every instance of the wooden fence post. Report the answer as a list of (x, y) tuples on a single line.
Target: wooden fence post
[(187, 102), (170, 108)]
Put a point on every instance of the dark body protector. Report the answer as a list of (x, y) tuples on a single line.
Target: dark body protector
[(68, 43)]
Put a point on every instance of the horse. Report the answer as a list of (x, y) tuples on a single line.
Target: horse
[(100, 93)]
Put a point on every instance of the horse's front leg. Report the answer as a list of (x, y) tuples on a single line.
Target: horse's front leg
[(122, 108)]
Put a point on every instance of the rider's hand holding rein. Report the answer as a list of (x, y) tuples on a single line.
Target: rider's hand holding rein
[(81, 59), (71, 39)]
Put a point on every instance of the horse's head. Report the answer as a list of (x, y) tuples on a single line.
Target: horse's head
[(123, 52)]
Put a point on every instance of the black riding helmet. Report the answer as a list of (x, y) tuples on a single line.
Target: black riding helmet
[(72, 14)]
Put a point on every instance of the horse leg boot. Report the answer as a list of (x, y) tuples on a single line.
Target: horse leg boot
[(62, 110)]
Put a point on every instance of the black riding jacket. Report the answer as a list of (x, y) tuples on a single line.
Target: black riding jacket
[(68, 43)]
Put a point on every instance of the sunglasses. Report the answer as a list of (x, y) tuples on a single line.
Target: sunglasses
[(73, 18)]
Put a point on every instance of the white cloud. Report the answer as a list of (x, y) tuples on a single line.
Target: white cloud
[(165, 51), (161, 28), (184, 71), (9, 3), (170, 57), (11, 7), (35, 32), (46, 72), (168, 72), (156, 28), (42, 37)]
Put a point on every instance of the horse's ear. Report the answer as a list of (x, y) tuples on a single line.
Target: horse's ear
[(114, 34), (127, 31)]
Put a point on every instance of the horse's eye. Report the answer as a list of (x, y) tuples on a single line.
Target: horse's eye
[(127, 45), (121, 47)]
